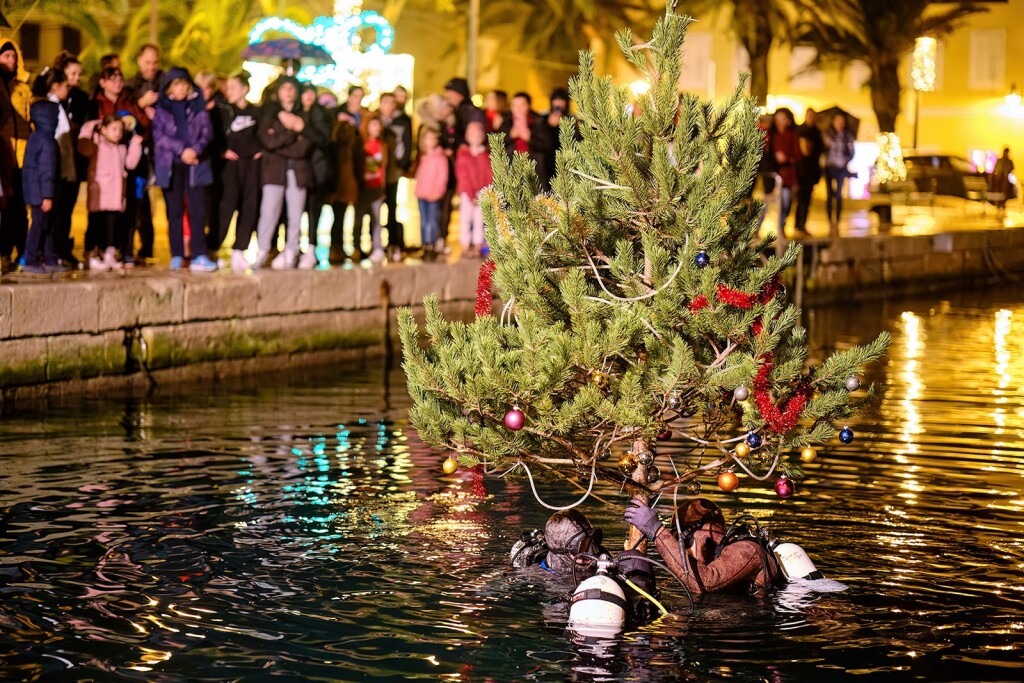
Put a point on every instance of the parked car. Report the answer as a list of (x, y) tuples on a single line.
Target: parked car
[(943, 174)]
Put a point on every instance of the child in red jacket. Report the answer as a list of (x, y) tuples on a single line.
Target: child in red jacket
[(472, 174)]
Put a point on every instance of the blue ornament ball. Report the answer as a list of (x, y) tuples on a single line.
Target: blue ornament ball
[(754, 440), (701, 259), (846, 435)]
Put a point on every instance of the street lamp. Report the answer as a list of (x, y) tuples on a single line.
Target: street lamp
[(922, 73)]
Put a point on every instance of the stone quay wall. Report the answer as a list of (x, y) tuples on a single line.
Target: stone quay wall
[(108, 331), (95, 333), (864, 268)]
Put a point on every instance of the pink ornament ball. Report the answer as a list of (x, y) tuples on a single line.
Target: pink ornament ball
[(515, 419)]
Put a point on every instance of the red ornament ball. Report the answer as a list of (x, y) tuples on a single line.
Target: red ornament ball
[(665, 435), (728, 481), (785, 488), (515, 419)]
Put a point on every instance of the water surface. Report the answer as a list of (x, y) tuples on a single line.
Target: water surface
[(295, 527)]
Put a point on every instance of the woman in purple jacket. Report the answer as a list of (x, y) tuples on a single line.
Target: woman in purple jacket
[(181, 134)]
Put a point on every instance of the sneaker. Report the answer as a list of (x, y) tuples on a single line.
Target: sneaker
[(238, 262), (177, 262), (110, 258), (96, 262), (202, 264), (308, 261), (283, 261), (262, 260), (357, 255), (394, 254), (33, 269), (56, 267), (5, 264), (377, 255)]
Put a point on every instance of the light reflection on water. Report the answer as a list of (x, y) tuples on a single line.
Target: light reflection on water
[(300, 529)]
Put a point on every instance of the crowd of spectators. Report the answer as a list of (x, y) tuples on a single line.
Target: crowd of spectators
[(217, 157)]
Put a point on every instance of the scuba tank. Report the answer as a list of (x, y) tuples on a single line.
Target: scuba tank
[(794, 561), (598, 607)]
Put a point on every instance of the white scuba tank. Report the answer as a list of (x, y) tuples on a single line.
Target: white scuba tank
[(794, 561), (598, 607)]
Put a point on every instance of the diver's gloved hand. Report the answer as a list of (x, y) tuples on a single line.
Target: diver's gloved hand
[(643, 518)]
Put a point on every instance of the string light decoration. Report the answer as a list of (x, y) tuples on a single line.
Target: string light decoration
[(890, 166), (356, 60), (923, 64)]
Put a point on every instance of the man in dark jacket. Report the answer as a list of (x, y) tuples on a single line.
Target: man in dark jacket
[(398, 128), (559, 110), (812, 146), (144, 89), (456, 91), (319, 123), (528, 132)]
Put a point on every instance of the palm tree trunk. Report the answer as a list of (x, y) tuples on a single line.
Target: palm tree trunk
[(885, 92), (759, 77)]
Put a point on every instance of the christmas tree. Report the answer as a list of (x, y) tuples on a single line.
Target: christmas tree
[(638, 305)]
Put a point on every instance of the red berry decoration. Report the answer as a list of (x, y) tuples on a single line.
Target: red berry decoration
[(785, 488), (515, 419)]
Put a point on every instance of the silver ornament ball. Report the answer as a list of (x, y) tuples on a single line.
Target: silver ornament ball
[(741, 393), (852, 383)]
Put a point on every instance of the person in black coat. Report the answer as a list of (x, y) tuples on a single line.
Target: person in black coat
[(456, 91), (812, 145), (238, 120), (286, 171), (398, 126), (39, 185), (320, 124), (528, 132), (76, 106)]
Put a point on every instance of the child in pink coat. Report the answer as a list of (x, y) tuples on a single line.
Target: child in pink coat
[(109, 163), (431, 186), (472, 174)]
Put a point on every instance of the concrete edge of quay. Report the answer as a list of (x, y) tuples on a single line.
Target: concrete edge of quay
[(880, 266), (97, 334)]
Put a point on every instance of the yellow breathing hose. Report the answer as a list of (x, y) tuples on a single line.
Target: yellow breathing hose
[(647, 595)]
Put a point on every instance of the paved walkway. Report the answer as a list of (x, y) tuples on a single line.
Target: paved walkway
[(943, 215)]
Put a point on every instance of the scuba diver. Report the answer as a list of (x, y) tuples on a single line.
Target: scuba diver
[(570, 547), (707, 556)]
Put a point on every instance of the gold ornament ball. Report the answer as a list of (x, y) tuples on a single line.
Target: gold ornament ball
[(808, 454), (450, 465), (599, 380), (728, 481), (627, 463), (742, 449)]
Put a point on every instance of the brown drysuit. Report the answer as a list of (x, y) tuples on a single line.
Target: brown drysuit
[(743, 564)]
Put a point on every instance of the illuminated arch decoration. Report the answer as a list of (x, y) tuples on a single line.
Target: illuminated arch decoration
[(368, 64)]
